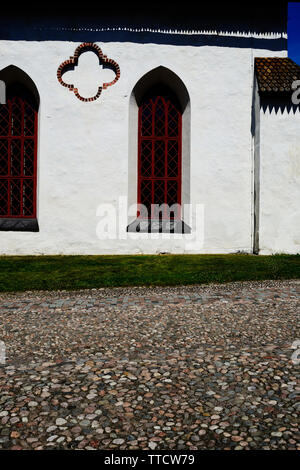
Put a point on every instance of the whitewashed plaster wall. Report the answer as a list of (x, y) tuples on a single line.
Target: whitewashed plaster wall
[(83, 149), (279, 180)]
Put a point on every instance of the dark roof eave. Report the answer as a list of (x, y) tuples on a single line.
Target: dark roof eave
[(276, 75)]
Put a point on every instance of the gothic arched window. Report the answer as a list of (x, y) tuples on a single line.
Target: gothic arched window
[(159, 155), (18, 158), (159, 151)]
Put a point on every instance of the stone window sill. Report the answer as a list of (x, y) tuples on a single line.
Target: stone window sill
[(18, 225), (158, 226)]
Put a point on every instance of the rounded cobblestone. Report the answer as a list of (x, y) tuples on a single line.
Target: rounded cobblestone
[(201, 367)]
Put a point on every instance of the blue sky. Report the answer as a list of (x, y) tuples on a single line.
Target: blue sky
[(294, 31)]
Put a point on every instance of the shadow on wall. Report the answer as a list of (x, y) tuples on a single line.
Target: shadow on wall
[(279, 105), (214, 25), (13, 80)]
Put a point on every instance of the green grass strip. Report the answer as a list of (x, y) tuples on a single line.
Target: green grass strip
[(21, 273)]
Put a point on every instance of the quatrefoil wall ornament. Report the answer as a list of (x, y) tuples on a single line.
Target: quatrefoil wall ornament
[(71, 63)]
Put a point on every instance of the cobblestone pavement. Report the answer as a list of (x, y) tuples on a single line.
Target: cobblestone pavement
[(162, 368)]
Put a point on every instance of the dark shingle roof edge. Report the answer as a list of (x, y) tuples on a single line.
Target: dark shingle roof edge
[(276, 75)]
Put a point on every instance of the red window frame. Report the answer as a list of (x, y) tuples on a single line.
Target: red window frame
[(159, 154), (18, 159)]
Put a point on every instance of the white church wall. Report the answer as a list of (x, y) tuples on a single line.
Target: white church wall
[(83, 149), (279, 180)]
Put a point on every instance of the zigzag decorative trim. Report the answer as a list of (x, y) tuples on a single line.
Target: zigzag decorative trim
[(73, 61)]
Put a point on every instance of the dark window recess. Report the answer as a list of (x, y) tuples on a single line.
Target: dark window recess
[(159, 166), (159, 157), (18, 165)]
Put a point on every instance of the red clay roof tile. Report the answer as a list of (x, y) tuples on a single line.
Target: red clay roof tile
[(276, 74)]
